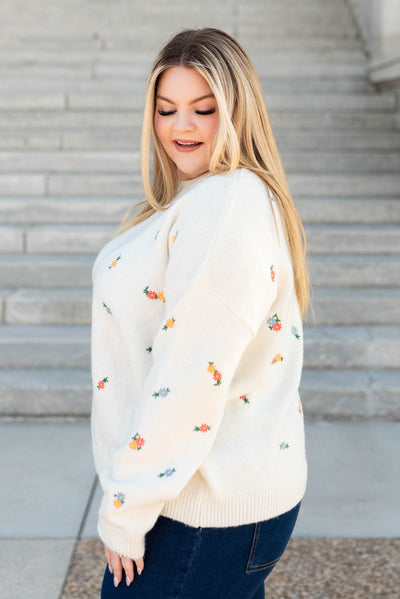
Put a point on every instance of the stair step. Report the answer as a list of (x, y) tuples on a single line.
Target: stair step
[(355, 271), (44, 346), (71, 210), (352, 347), (350, 394), (50, 270), (25, 211), (355, 307), (325, 394), (347, 347), (47, 306), (331, 306), (129, 100), (351, 83), (124, 162), (89, 239), (353, 239), (348, 211), (86, 141), (129, 184), (60, 392), (80, 120)]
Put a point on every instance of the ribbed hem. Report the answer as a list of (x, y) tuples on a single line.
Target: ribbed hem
[(204, 510)]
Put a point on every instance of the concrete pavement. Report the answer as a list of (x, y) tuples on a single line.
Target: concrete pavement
[(49, 500)]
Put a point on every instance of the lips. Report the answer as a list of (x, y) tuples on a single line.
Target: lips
[(186, 145)]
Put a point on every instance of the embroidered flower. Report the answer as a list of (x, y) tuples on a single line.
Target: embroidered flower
[(114, 262), (149, 349), (137, 443), (174, 237), (300, 408), (119, 500), (153, 294), (217, 376), (272, 272), (277, 358), (163, 392), (168, 472), (169, 324), (203, 428), (295, 332), (101, 384), (244, 398), (283, 445), (274, 323), (107, 308)]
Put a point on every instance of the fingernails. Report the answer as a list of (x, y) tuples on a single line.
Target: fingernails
[(128, 581), (139, 571), (116, 581), (109, 567)]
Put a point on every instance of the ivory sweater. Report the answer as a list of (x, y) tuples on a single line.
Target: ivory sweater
[(197, 350)]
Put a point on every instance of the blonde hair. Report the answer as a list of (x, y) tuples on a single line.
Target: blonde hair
[(243, 138)]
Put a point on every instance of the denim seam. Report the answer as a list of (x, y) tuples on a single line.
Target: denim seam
[(190, 565), (249, 567)]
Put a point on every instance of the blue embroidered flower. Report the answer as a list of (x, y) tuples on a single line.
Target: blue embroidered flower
[(283, 445), (168, 472), (107, 308), (163, 392), (295, 332)]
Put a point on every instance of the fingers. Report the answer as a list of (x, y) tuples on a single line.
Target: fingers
[(139, 565), (127, 565), (117, 563)]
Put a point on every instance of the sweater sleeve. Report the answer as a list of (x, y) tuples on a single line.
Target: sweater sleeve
[(214, 303)]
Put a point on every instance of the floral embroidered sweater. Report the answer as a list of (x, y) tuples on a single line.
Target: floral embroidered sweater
[(197, 350)]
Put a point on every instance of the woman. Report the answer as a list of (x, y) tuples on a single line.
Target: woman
[(197, 344)]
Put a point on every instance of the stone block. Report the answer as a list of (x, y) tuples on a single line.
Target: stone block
[(45, 271), (358, 239), (68, 239), (11, 240), (355, 271), (56, 392), (48, 306)]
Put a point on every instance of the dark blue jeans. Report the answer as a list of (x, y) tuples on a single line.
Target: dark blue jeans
[(184, 562)]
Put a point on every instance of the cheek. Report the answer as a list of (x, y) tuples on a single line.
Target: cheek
[(211, 128)]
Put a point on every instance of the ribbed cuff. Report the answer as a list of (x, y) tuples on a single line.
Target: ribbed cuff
[(127, 545)]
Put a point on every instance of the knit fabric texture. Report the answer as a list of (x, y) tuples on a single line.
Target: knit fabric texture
[(197, 352)]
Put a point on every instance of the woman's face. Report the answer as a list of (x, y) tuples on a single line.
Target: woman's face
[(185, 120)]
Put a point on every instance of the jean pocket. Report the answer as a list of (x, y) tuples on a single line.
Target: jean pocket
[(270, 538)]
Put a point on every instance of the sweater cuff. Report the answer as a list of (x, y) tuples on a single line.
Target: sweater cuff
[(126, 545)]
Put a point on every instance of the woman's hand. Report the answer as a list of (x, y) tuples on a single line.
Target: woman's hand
[(116, 563)]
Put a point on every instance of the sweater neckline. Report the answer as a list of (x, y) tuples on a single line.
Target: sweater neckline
[(183, 185)]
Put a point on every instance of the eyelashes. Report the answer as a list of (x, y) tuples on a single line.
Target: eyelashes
[(202, 112)]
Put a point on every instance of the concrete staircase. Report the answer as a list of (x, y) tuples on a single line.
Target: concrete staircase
[(72, 84)]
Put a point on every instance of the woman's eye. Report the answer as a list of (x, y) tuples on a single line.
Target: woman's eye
[(205, 111), (165, 112)]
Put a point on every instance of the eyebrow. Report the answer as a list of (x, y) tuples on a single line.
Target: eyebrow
[(192, 102)]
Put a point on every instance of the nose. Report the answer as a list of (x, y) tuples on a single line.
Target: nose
[(183, 121)]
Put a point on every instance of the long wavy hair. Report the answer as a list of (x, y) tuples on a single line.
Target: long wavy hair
[(243, 137)]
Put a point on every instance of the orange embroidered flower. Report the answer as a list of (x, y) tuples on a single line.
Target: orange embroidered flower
[(137, 442), (161, 296), (272, 272), (211, 367), (153, 294), (278, 358), (119, 500), (114, 262), (174, 237), (169, 324)]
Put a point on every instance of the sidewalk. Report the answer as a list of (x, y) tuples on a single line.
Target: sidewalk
[(49, 502)]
